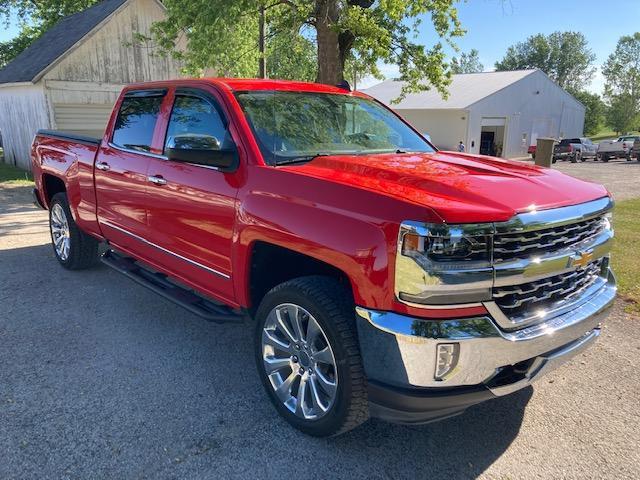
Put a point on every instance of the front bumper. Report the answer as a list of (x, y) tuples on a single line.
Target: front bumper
[(399, 354)]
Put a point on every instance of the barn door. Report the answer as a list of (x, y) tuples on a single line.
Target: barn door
[(88, 120)]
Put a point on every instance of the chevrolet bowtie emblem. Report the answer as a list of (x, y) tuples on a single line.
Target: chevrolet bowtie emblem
[(580, 259)]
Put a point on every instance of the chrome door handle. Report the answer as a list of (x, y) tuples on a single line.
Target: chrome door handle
[(156, 180), (103, 166)]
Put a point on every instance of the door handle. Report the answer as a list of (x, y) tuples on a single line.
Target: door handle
[(104, 166), (157, 180)]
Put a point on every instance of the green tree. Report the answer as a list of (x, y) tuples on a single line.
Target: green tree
[(342, 31), (621, 114), (622, 83), (595, 110), (564, 56), (35, 17), (467, 63)]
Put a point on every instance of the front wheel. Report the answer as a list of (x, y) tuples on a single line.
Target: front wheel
[(308, 358), (73, 248)]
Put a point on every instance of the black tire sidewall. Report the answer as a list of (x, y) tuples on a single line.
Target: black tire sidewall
[(336, 416), (78, 257), (61, 199)]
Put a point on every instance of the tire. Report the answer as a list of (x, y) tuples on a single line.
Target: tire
[(576, 157), (628, 157), (81, 250), (329, 304)]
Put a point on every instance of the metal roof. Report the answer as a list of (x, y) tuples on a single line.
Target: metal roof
[(55, 42), (465, 90)]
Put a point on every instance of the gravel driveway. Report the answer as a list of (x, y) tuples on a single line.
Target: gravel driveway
[(622, 178), (102, 378)]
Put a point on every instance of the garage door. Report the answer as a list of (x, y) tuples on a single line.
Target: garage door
[(82, 119)]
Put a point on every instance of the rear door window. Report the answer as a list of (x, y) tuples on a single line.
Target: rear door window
[(136, 121)]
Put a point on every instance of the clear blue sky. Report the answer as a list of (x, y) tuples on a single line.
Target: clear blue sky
[(494, 25)]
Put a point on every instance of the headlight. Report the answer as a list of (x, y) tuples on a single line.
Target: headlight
[(438, 264)]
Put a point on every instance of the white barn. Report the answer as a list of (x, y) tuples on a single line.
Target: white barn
[(492, 113), (70, 77)]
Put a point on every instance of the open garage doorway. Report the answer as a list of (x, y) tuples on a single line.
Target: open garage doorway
[(492, 136)]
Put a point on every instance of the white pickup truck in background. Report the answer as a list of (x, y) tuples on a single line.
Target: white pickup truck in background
[(620, 148)]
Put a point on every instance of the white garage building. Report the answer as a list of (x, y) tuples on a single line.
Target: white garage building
[(70, 77), (493, 113)]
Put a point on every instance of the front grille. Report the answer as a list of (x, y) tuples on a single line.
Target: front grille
[(526, 299), (512, 246)]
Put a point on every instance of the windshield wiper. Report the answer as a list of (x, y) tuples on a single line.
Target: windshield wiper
[(301, 159)]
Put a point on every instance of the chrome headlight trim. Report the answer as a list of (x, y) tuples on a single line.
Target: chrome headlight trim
[(421, 281)]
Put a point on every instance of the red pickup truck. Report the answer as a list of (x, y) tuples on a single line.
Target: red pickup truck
[(384, 278)]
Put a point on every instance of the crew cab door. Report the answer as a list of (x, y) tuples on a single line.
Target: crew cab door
[(121, 170), (192, 208)]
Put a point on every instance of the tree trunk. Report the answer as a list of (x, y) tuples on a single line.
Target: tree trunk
[(262, 68), (330, 64)]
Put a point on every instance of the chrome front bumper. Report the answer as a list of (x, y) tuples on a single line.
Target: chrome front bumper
[(401, 351)]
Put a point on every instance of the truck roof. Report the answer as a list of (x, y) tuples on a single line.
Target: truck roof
[(246, 84)]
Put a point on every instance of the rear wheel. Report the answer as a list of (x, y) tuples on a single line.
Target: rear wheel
[(73, 248), (308, 357), (576, 157)]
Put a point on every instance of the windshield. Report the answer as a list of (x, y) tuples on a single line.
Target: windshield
[(299, 126)]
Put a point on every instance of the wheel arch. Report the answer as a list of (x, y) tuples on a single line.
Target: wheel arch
[(270, 264)]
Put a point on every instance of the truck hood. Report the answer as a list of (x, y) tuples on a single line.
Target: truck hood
[(459, 187)]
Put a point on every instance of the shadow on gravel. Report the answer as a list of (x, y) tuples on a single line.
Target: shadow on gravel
[(460, 447)]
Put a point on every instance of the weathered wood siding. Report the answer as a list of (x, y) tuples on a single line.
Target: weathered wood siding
[(23, 110), (111, 55), (85, 83)]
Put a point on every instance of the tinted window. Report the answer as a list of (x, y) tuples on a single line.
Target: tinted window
[(195, 123), (297, 126), (136, 121)]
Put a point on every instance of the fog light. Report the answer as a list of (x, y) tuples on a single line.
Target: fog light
[(446, 359)]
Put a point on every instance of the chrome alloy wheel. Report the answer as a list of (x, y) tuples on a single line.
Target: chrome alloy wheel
[(60, 232), (299, 361)]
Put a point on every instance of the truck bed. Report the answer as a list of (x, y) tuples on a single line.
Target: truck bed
[(71, 137)]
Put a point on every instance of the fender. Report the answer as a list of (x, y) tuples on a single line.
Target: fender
[(72, 163), (329, 222)]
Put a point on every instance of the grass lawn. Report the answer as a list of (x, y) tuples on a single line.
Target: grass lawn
[(14, 176), (626, 252), (607, 134)]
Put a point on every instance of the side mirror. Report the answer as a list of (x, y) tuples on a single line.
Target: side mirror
[(203, 150)]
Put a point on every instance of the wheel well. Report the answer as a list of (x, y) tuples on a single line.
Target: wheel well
[(52, 185), (272, 265)]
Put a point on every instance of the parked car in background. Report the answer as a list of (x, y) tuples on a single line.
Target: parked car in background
[(620, 148), (532, 151), (635, 149), (574, 149), (385, 278)]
